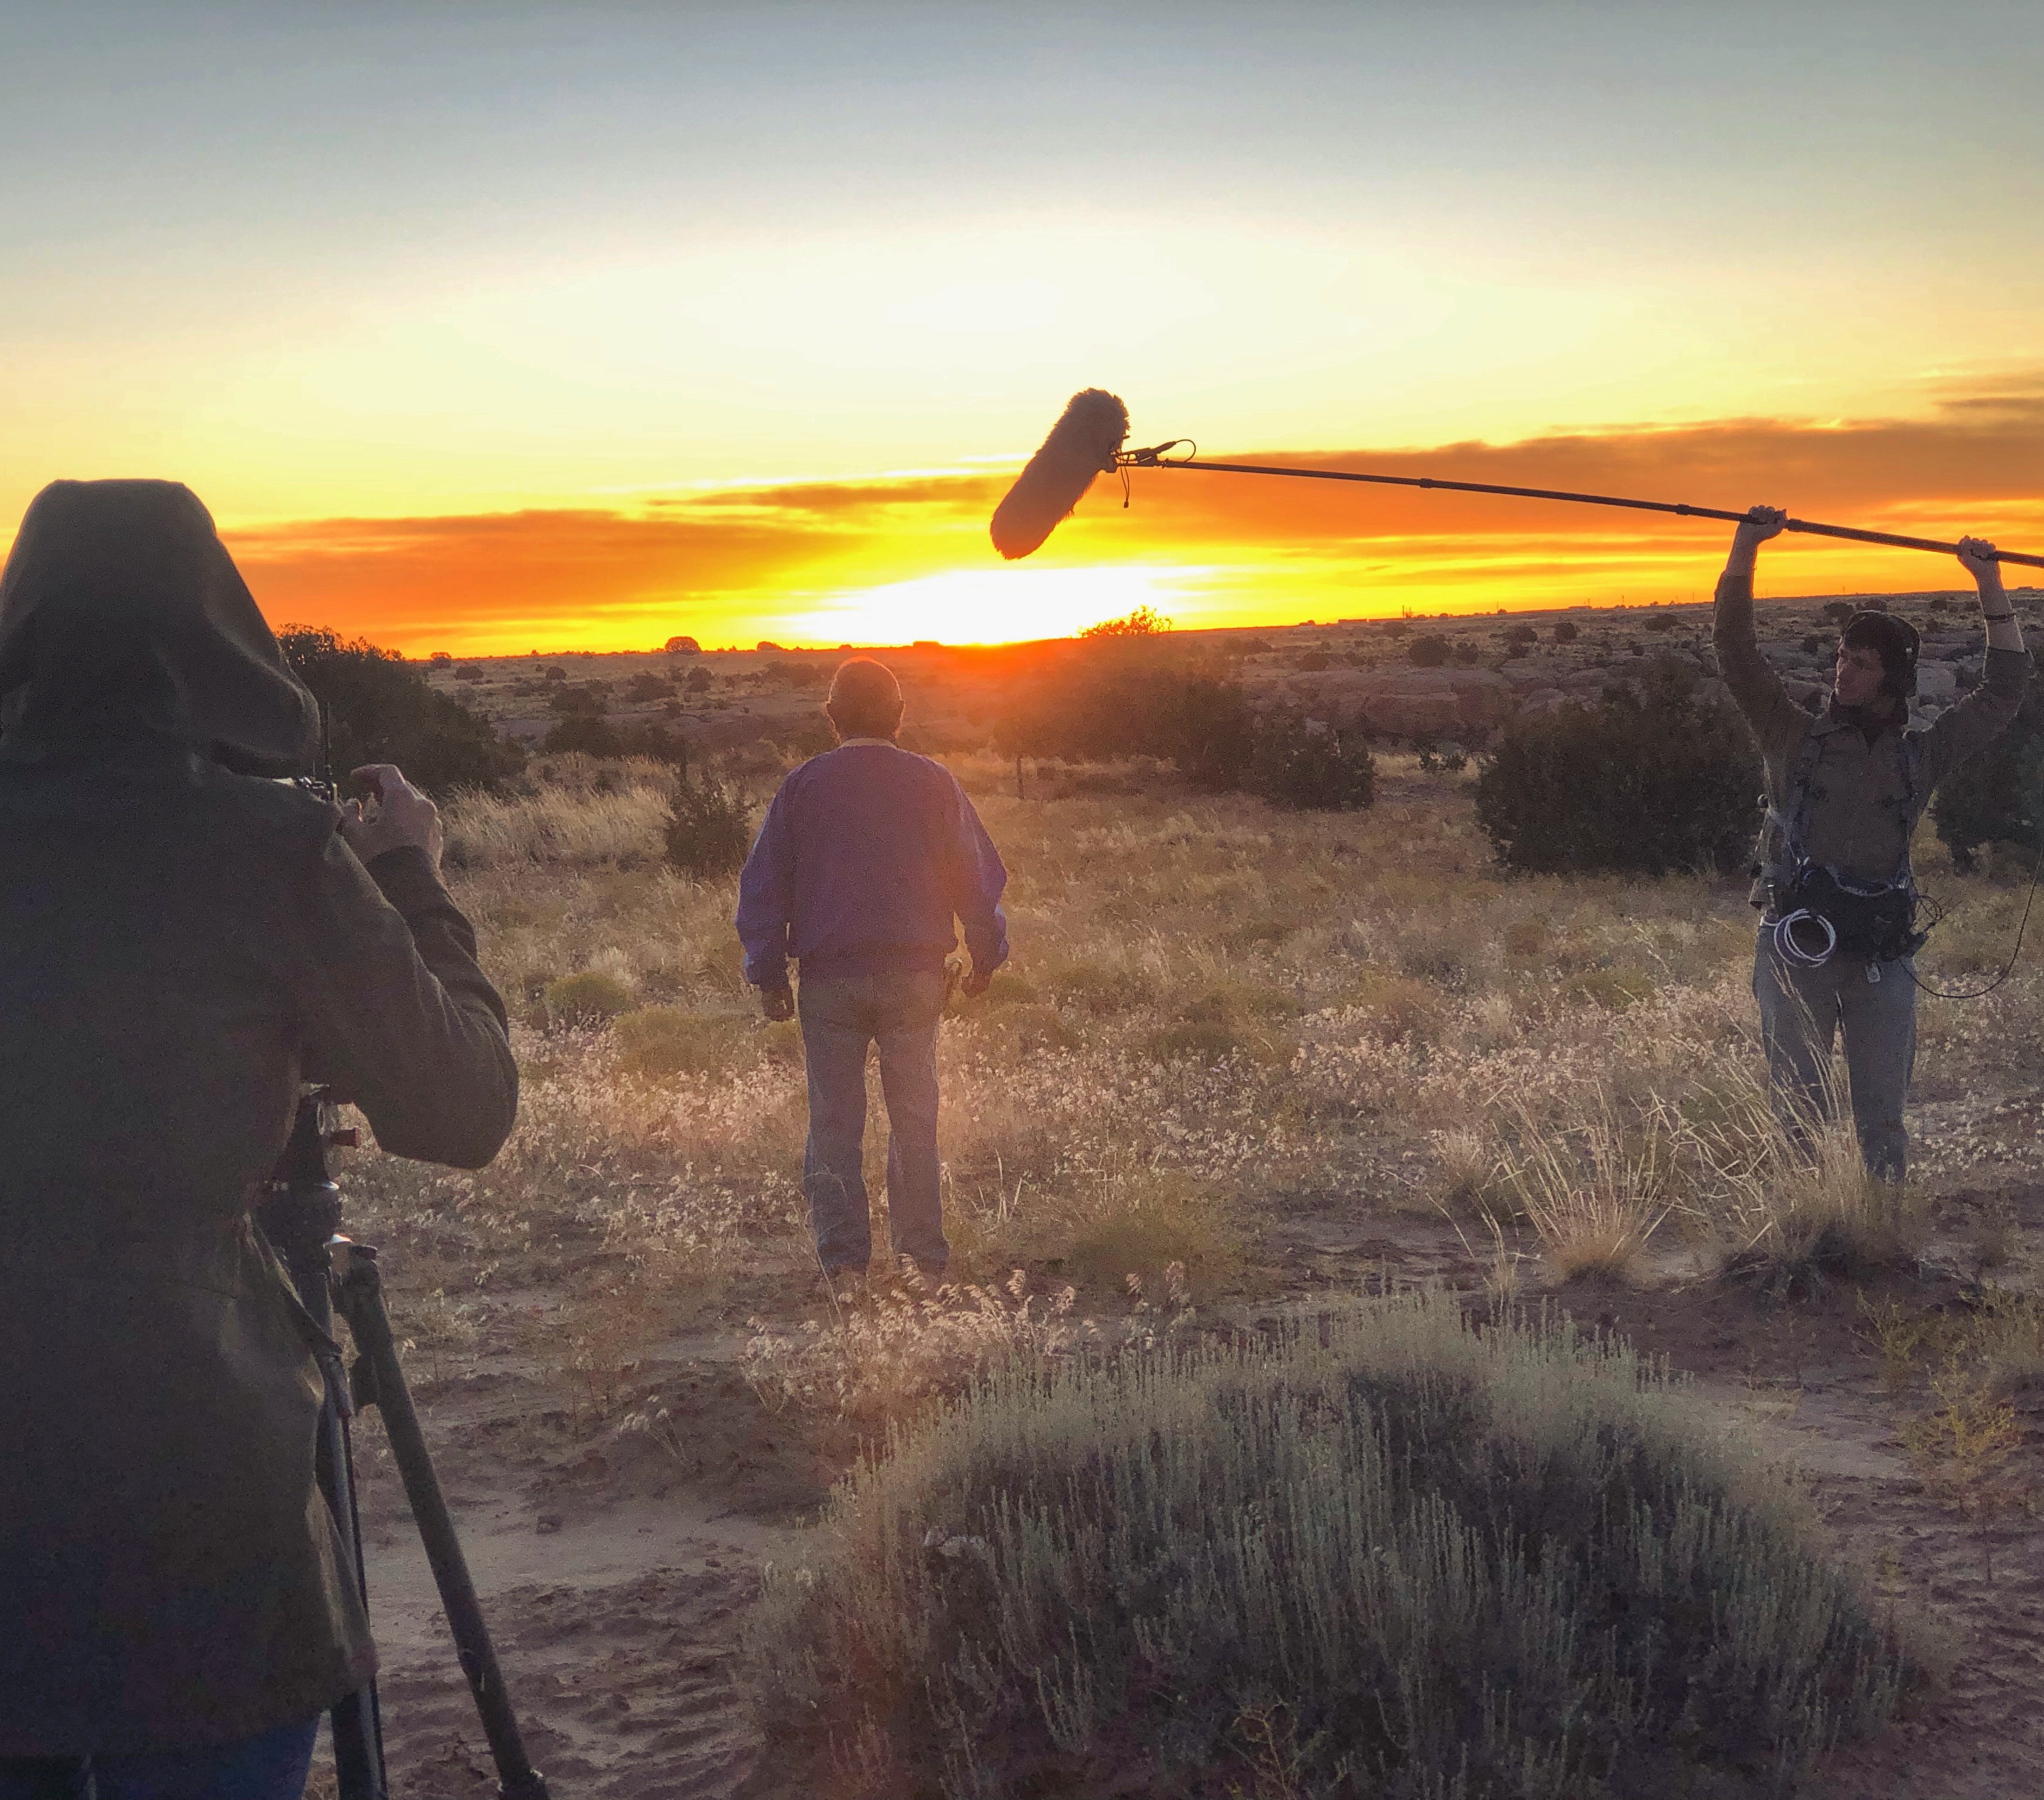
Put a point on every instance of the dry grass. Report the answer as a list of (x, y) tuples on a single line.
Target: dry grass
[(1212, 1002)]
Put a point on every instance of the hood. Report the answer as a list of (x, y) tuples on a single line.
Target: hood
[(123, 620)]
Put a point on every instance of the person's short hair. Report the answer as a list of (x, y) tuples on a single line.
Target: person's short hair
[(1894, 640), (865, 699)]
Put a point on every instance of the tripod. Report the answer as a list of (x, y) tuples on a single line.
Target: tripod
[(301, 1215)]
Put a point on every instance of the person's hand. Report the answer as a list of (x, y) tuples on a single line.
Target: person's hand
[(404, 817), (777, 1003), (1978, 556), (1760, 524), (975, 984)]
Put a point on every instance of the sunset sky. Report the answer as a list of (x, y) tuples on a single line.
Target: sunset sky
[(489, 328)]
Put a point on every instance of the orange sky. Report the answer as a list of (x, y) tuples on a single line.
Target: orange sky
[(891, 558), (519, 325)]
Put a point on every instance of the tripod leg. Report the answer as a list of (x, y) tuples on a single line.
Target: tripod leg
[(298, 1221), (356, 1718), (359, 1291)]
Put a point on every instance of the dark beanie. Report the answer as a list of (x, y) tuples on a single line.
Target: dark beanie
[(1894, 641)]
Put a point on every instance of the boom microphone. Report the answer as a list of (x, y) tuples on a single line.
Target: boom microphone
[(1086, 441)]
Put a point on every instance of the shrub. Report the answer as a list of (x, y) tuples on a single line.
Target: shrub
[(378, 709), (1437, 757), (593, 998), (1661, 622), (1466, 653), (1647, 783), (1131, 696), (1998, 797), (1305, 764), (1567, 631), (1145, 621), (1428, 651), (568, 699), (595, 736), (1512, 1564), (1519, 638), (709, 828), (683, 647)]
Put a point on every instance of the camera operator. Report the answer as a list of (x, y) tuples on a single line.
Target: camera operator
[(1845, 790), (181, 943)]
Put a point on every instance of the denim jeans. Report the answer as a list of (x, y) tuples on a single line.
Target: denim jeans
[(841, 1015), (271, 1767), (1802, 1011)]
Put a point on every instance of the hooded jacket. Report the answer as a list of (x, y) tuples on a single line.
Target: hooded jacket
[(181, 942), (1863, 811)]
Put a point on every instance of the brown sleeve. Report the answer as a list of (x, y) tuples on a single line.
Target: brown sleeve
[(1975, 721), (1777, 721), (399, 1019)]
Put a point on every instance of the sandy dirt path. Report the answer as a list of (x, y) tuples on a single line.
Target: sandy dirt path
[(617, 1573)]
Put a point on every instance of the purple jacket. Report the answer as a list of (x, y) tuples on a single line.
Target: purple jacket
[(864, 855)]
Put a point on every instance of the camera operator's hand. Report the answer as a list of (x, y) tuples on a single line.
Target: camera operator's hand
[(777, 1003), (403, 815)]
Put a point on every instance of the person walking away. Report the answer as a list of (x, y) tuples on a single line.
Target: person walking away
[(1845, 790), (181, 942), (866, 856)]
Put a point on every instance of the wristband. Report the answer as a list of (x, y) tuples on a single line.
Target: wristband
[(1997, 618)]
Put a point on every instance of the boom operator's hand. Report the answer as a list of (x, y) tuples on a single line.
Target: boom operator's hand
[(1760, 524), (777, 1003), (1978, 556), (404, 817)]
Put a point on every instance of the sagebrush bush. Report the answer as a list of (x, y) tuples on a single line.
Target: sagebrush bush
[(1310, 766), (709, 828), (1428, 651), (1654, 782), (1463, 1566)]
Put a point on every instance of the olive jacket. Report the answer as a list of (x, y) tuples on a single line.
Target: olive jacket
[(1862, 810), (179, 945)]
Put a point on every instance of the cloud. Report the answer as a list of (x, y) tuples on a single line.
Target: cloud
[(729, 564)]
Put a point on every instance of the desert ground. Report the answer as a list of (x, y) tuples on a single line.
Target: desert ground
[(1245, 1062)]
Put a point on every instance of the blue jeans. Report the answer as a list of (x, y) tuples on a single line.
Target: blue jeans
[(841, 1016), (272, 1767)]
